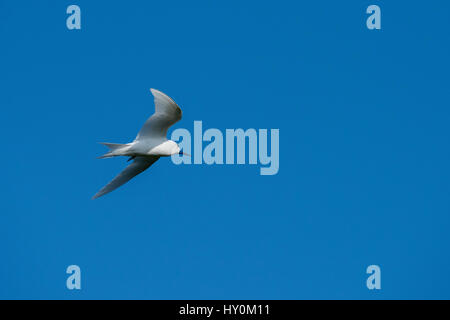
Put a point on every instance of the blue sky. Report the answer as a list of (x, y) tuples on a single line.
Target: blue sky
[(364, 156)]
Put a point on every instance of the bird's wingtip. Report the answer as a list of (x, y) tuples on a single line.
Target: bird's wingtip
[(155, 92), (97, 195)]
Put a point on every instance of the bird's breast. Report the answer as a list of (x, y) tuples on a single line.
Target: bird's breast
[(163, 150)]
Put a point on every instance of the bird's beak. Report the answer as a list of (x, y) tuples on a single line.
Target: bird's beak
[(185, 154)]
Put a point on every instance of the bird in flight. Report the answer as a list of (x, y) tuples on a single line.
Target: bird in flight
[(150, 144)]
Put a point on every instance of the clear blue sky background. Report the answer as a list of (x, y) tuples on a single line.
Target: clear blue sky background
[(364, 150)]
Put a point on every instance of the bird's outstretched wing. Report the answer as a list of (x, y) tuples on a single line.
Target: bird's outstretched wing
[(139, 165), (167, 112)]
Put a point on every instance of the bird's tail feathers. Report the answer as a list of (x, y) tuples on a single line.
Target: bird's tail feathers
[(115, 149)]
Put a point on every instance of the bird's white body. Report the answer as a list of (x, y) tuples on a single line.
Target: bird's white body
[(150, 144), (146, 148)]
